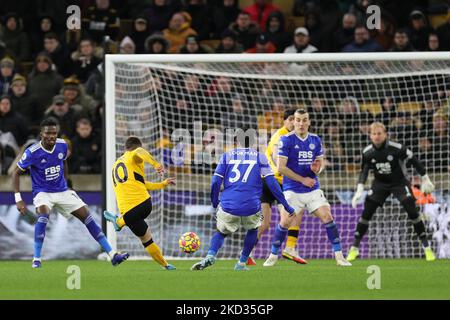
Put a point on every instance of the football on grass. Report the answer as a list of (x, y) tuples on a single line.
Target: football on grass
[(189, 242)]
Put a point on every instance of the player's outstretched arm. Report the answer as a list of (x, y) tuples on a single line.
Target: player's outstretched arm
[(426, 186), (151, 186), (21, 206), (275, 188), (143, 155), (216, 183), (363, 175), (284, 170)]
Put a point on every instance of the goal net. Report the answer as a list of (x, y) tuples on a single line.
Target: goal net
[(185, 108)]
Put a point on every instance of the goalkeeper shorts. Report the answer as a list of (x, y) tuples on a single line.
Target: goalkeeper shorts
[(380, 191)]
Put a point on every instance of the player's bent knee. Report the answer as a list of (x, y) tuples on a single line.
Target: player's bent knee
[(265, 225), (324, 214), (297, 219), (286, 220), (411, 209), (139, 228), (146, 237), (327, 218), (43, 210), (370, 206)]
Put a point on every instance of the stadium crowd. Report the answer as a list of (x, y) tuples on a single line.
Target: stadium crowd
[(47, 70)]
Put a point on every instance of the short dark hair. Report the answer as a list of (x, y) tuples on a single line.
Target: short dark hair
[(85, 121), (402, 31), (244, 13), (48, 122), (5, 96), (288, 113), (132, 143), (301, 111), (361, 26), (51, 35), (84, 40)]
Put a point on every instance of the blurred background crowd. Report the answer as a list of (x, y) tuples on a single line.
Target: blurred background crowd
[(47, 70)]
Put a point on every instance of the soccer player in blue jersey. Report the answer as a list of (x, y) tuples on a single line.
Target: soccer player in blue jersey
[(300, 160), (241, 171), (46, 161)]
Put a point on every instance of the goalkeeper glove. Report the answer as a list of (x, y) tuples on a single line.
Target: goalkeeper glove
[(426, 186), (358, 194)]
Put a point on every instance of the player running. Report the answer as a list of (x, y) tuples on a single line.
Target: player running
[(267, 198), (300, 160), (46, 161), (133, 198), (241, 170), (387, 159)]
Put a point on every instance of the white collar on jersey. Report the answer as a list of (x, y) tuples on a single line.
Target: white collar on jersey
[(42, 147), (301, 137)]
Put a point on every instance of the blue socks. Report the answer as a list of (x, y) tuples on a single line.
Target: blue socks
[(97, 234), (333, 235), (249, 243), (39, 234), (280, 236), (217, 241)]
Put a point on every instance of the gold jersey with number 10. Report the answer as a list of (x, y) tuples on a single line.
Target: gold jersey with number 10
[(129, 182)]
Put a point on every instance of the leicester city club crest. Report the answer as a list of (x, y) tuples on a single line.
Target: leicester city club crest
[(60, 156)]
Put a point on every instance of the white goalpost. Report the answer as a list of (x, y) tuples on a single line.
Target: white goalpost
[(185, 109)]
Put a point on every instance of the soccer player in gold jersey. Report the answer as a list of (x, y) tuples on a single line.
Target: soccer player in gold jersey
[(267, 199), (133, 198)]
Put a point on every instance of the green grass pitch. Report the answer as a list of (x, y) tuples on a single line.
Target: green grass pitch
[(320, 279)]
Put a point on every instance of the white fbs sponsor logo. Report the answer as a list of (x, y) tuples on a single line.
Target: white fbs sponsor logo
[(305, 157), (52, 173)]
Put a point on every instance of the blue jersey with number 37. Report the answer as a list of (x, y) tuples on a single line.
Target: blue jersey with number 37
[(242, 171)]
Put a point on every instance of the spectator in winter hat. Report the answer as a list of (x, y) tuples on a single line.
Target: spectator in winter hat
[(193, 46), (25, 104), (228, 44), (263, 45), (301, 42), (6, 74), (177, 32), (156, 44), (15, 39), (275, 31), (127, 46), (140, 33), (418, 30), (44, 82)]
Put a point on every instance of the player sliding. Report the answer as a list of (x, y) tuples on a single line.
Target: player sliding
[(300, 160), (241, 170), (133, 199), (46, 161), (267, 198), (387, 159)]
